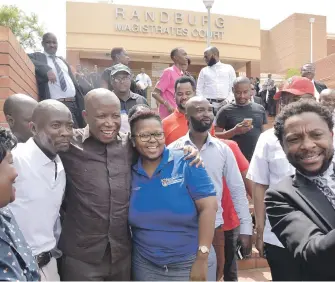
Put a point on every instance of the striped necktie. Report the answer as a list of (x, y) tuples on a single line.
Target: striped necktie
[(60, 73)]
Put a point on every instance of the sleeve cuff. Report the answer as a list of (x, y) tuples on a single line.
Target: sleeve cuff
[(246, 229)]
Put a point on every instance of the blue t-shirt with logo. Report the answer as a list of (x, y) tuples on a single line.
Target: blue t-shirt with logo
[(162, 211)]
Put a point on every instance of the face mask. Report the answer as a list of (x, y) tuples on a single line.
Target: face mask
[(212, 61), (199, 126)]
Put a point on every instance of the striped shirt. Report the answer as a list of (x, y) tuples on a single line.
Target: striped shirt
[(220, 162)]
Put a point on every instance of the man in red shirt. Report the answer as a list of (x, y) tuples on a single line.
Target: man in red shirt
[(175, 125), (231, 221)]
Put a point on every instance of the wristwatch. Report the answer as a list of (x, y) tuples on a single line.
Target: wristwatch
[(203, 249)]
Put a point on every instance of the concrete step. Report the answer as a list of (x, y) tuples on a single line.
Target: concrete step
[(255, 261)]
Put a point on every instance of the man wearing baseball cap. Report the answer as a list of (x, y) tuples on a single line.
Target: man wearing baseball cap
[(269, 166), (294, 89), (121, 82)]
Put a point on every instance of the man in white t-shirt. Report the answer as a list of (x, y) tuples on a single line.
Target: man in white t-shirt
[(144, 81), (269, 166)]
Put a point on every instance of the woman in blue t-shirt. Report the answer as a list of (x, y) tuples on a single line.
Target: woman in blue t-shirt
[(172, 209)]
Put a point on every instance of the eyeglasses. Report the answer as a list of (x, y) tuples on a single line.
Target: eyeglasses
[(121, 79), (145, 137)]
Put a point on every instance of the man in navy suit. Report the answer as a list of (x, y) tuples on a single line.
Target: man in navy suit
[(55, 79)]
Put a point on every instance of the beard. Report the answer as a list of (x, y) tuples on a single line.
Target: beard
[(325, 165), (200, 126), (212, 61)]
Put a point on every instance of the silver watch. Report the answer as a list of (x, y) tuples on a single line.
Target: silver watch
[(203, 249)]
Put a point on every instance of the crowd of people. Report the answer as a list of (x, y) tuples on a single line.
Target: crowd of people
[(96, 185)]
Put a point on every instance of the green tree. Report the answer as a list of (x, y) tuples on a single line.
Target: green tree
[(292, 72), (26, 28)]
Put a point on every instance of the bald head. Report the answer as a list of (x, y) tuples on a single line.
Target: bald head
[(18, 102), (100, 96), (213, 50), (18, 110), (192, 104), (49, 108), (240, 80), (102, 114), (308, 71), (327, 99)]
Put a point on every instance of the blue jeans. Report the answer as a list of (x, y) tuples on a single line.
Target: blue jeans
[(144, 270)]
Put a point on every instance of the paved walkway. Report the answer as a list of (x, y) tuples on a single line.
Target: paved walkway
[(258, 274)]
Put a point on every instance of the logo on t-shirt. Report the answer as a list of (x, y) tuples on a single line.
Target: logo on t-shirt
[(173, 180)]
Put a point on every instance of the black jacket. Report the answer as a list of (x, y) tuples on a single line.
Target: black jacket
[(41, 68), (320, 86), (304, 221)]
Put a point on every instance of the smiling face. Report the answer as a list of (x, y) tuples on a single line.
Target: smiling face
[(308, 143), (200, 115), (8, 175), (242, 93), (149, 139), (184, 91), (102, 114)]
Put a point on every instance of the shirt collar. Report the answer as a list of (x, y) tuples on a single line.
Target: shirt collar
[(5, 211), (167, 157), (49, 55), (188, 140), (132, 96), (177, 70), (217, 64), (178, 113), (39, 158)]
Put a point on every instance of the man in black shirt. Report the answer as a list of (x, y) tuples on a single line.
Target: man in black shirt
[(243, 121), (119, 56)]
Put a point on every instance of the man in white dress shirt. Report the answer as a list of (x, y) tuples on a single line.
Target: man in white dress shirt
[(145, 80), (41, 181), (55, 79), (215, 82), (269, 166)]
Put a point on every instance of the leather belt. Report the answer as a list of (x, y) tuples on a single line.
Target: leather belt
[(215, 100), (72, 99), (43, 259)]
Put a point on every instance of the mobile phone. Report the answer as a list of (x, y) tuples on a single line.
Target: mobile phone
[(247, 121), (239, 252)]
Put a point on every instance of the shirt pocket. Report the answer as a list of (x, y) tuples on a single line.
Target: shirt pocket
[(119, 179)]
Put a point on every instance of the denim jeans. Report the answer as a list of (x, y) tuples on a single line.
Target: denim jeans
[(230, 266), (144, 270)]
